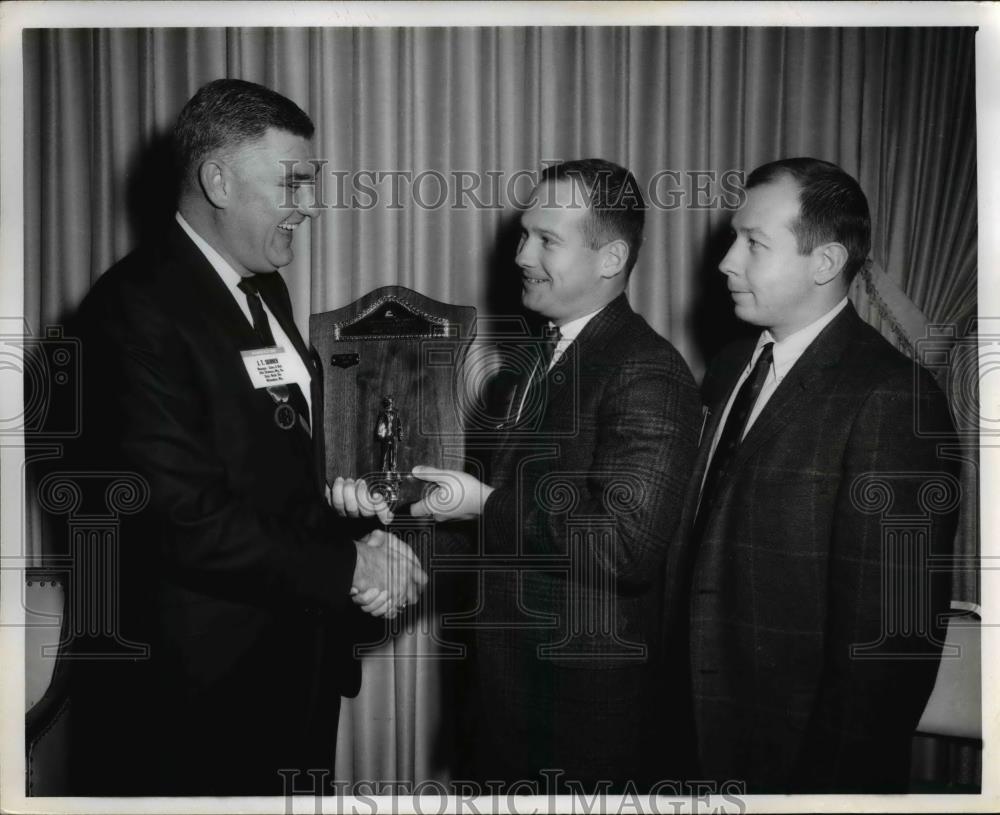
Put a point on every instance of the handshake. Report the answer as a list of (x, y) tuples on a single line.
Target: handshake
[(388, 575)]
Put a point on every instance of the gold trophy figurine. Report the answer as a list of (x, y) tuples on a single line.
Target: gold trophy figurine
[(389, 432)]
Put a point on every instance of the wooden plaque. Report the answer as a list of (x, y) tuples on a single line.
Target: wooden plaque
[(393, 342)]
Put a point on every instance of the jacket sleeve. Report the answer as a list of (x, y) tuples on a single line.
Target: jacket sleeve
[(889, 588), (645, 436), (147, 410)]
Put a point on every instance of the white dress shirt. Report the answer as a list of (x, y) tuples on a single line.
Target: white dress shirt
[(786, 353), (569, 332), (232, 280)]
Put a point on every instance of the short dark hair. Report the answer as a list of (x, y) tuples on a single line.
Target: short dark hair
[(832, 207), (617, 207), (228, 112)]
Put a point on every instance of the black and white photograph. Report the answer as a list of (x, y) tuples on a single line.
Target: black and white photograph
[(486, 407)]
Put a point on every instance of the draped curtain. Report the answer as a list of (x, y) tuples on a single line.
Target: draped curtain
[(681, 107)]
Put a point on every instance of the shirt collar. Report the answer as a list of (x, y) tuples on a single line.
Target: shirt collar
[(787, 351), (569, 331), (228, 274)]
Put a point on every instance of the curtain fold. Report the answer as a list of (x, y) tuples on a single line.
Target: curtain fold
[(406, 119), (929, 233)]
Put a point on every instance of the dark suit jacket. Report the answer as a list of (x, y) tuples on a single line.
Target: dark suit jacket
[(236, 574), (588, 492), (800, 561)]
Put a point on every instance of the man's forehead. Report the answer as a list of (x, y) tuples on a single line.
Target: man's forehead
[(775, 203), (552, 217)]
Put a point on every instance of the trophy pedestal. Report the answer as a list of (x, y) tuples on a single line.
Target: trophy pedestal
[(387, 486)]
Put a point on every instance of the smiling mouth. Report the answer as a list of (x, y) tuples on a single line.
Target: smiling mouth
[(289, 228), (533, 281)]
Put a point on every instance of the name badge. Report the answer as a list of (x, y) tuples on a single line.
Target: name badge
[(274, 366)]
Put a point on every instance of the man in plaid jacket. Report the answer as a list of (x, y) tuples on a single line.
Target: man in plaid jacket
[(812, 560), (585, 489)]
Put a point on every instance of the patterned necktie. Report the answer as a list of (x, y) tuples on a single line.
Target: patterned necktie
[(732, 433), (248, 285)]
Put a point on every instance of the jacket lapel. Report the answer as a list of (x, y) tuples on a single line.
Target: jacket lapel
[(206, 288), (715, 397), (221, 303), (275, 293), (561, 380), (693, 492), (585, 350), (197, 276), (807, 376)]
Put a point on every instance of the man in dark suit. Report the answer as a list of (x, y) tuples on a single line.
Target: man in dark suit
[(585, 488), (237, 575), (815, 513)]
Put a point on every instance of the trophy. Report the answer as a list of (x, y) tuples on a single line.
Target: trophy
[(389, 433), (392, 380)]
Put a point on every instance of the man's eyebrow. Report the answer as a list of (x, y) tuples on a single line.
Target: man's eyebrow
[(541, 230), (298, 176), (749, 230)]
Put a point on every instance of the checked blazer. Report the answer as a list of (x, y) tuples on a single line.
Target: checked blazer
[(814, 617), (587, 493)]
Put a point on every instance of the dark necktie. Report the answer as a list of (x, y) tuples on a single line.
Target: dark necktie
[(547, 348), (248, 285), (545, 351), (732, 433)]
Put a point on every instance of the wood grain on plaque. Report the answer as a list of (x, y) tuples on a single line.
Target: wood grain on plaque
[(393, 342)]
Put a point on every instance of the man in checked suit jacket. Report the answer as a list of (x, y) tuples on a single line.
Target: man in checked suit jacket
[(814, 633), (237, 575), (585, 489)]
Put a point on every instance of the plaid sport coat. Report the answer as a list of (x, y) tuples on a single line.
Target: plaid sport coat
[(589, 486), (814, 597)]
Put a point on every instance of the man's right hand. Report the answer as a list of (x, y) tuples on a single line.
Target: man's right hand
[(387, 575), (352, 499)]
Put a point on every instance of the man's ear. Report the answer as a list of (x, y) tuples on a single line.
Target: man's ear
[(213, 176), (614, 256), (830, 261)]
